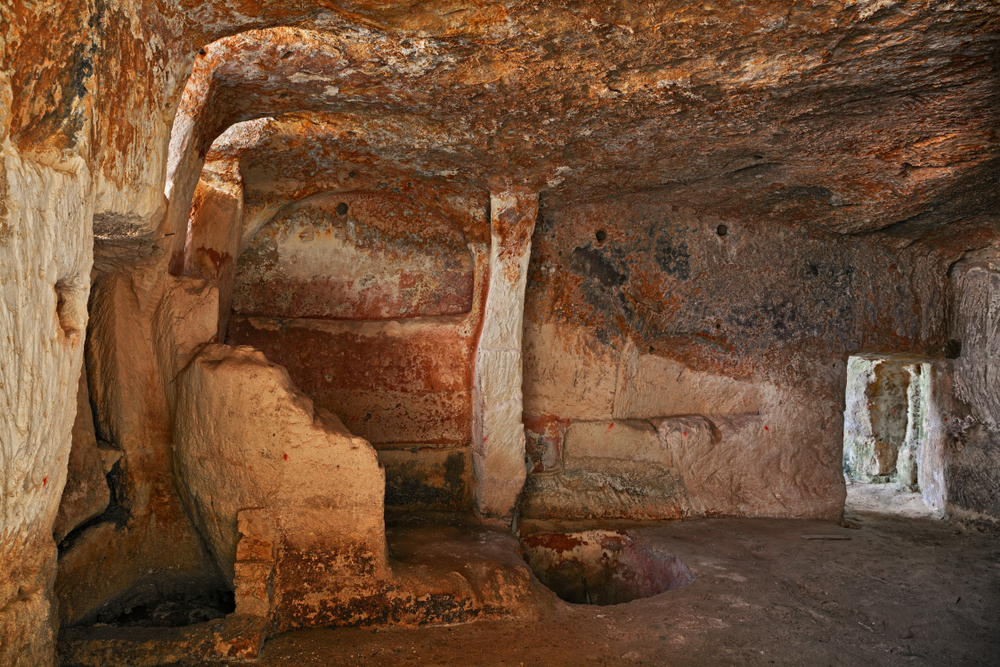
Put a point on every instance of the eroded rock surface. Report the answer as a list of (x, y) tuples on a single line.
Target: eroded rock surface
[(86, 494), (247, 439), (972, 475), (45, 218), (726, 201), (145, 327)]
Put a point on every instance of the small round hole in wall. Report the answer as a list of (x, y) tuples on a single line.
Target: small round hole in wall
[(722, 230), (601, 236), (341, 208), (353, 174), (602, 567)]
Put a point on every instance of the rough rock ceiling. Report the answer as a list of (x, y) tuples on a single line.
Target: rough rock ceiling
[(854, 117)]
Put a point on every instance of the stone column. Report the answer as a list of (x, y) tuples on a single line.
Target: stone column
[(498, 434)]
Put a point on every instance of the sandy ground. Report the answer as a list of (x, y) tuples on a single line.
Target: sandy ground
[(885, 499), (907, 588)]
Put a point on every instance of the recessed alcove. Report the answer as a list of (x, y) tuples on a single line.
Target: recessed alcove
[(385, 259), (166, 602), (372, 311)]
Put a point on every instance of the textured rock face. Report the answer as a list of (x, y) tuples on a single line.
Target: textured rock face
[(973, 473), (86, 494), (875, 420), (247, 439), (937, 442), (335, 256), (275, 483), (145, 327), (896, 422), (498, 435), (625, 95), (404, 385), (730, 201), (45, 213)]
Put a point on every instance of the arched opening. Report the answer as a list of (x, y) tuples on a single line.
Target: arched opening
[(364, 289)]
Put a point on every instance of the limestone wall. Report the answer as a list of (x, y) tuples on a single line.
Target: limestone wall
[(373, 304), (649, 308), (45, 260), (973, 473)]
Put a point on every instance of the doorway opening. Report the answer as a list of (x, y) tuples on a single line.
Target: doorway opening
[(892, 444)]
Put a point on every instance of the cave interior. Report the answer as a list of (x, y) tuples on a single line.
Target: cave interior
[(397, 315)]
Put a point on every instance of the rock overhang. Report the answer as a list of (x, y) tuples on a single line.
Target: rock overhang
[(848, 119)]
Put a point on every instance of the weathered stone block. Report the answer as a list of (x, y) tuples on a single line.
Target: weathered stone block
[(252, 584), (498, 434), (544, 440), (498, 459), (246, 438), (606, 488), (499, 377), (258, 535), (683, 433)]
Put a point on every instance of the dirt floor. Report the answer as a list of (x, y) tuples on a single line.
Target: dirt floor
[(901, 586), (903, 590)]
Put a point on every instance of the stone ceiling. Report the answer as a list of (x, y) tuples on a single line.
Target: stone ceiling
[(853, 117)]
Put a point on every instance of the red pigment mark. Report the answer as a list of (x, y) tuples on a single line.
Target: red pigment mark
[(407, 279), (946, 419), (684, 433), (45, 480), (286, 457), (611, 426), (213, 256), (554, 541), (766, 428)]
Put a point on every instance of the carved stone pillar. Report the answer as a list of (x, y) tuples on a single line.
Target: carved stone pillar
[(498, 434)]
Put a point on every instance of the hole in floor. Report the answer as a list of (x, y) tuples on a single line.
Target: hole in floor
[(602, 567), (163, 602)]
